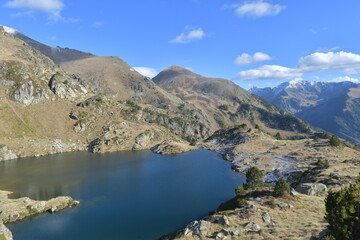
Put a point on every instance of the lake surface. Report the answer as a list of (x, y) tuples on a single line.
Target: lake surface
[(124, 195)]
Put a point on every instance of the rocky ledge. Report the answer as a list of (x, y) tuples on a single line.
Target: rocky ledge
[(171, 148), (12, 210)]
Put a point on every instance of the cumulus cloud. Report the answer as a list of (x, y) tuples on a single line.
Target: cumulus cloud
[(258, 9), (329, 61), (269, 72), (52, 7), (245, 58), (189, 36), (315, 62), (345, 79), (147, 72)]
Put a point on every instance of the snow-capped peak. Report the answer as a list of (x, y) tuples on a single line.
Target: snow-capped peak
[(9, 30)]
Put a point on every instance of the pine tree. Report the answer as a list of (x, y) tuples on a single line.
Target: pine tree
[(281, 188), (254, 178), (343, 212), (334, 141)]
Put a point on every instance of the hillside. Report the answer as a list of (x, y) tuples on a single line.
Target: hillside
[(333, 107), (225, 103)]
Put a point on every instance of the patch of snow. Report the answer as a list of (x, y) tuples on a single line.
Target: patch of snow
[(131, 69), (10, 30)]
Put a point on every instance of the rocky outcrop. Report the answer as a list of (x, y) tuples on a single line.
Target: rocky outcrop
[(67, 87), (12, 210), (5, 233), (311, 188), (143, 140), (24, 94), (6, 154), (170, 147)]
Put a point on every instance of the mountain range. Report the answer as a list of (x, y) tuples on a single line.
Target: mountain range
[(102, 104), (331, 106)]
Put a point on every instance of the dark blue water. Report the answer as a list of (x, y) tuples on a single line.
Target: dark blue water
[(125, 195)]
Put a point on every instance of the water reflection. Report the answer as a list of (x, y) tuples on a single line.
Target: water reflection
[(119, 192)]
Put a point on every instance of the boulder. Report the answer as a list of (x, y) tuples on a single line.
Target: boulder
[(23, 94), (252, 226), (311, 188), (219, 219), (6, 154), (199, 228), (266, 218)]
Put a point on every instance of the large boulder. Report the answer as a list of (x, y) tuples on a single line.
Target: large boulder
[(199, 228), (6, 154), (311, 188)]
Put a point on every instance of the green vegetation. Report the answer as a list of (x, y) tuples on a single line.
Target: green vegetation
[(278, 136), (334, 141), (281, 188), (223, 107), (322, 164), (343, 212), (241, 191), (254, 178)]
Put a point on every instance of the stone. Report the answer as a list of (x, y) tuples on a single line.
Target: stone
[(24, 94), (311, 188), (252, 226), (219, 219), (6, 153), (282, 204), (199, 228), (266, 218)]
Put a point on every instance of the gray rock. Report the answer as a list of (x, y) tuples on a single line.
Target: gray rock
[(24, 94), (199, 228), (311, 188), (143, 139), (266, 218), (5, 232), (252, 226), (282, 204), (219, 219), (232, 231), (6, 154)]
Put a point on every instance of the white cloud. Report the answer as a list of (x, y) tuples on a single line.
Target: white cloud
[(188, 37), (269, 72), (147, 72), (329, 61), (345, 79), (258, 9), (316, 62), (53, 7), (245, 58)]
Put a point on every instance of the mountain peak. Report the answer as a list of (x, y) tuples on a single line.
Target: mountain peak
[(9, 30), (176, 68)]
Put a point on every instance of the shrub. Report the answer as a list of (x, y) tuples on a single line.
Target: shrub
[(343, 212), (254, 178), (281, 188), (278, 136), (240, 191), (334, 141)]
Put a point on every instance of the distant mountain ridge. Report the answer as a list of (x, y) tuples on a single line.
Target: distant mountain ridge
[(332, 106)]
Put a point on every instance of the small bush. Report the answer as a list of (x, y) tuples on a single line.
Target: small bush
[(278, 136), (241, 191), (281, 188), (334, 141)]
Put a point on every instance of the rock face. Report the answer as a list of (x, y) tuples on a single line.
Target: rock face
[(311, 188), (24, 94), (6, 154), (198, 228), (5, 233)]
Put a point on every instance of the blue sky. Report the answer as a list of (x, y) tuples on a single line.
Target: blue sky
[(253, 43)]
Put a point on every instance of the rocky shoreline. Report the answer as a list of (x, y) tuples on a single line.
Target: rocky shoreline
[(12, 210)]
